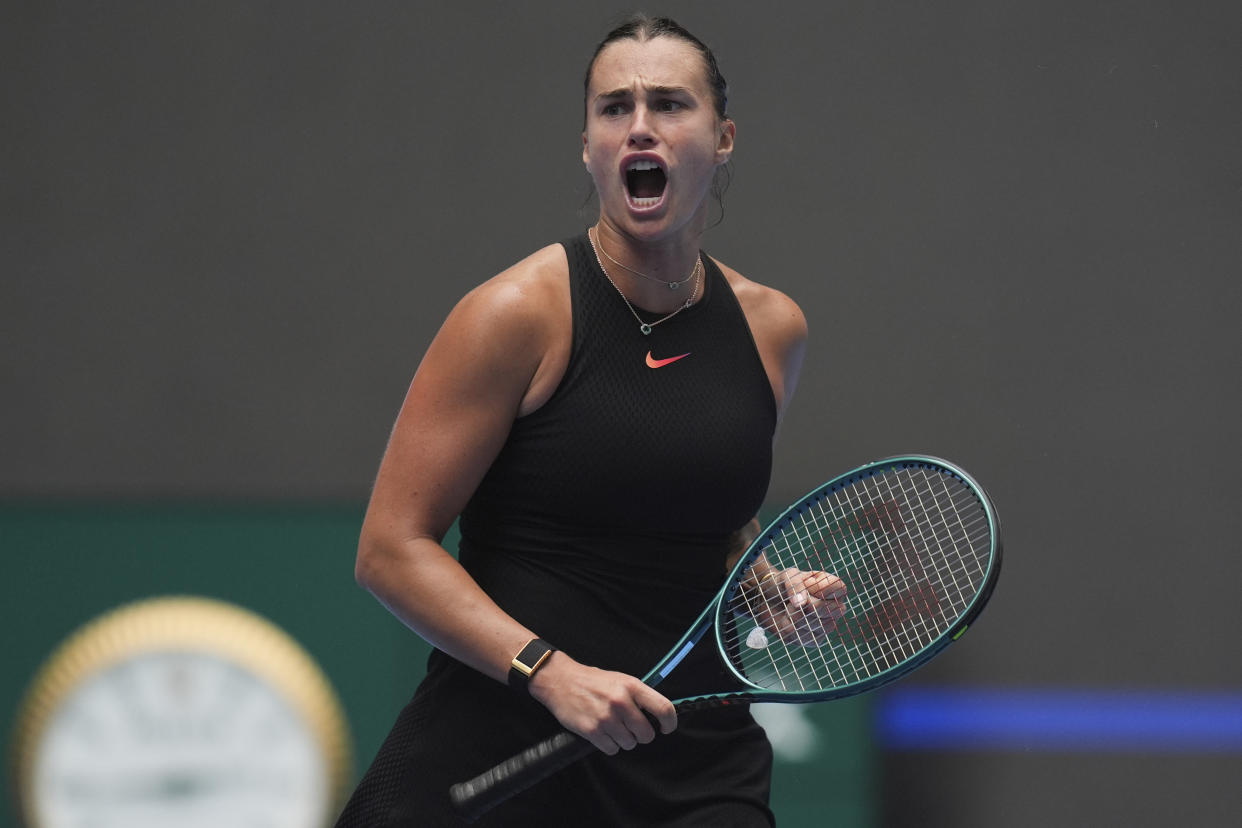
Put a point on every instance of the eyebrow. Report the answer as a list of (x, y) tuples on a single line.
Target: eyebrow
[(625, 92)]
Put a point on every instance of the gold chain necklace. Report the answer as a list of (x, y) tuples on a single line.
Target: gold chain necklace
[(646, 327), (599, 248)]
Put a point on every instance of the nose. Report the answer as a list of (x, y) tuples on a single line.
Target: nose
[(642, 132)]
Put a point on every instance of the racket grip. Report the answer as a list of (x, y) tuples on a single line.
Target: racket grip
[(477, 796)]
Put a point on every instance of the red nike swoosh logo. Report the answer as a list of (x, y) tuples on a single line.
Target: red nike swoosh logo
[(652, 362)]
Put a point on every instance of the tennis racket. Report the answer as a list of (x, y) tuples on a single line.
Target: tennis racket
[(916, 543)]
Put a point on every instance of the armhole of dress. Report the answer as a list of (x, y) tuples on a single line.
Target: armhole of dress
[(575, 327), (718, 278)]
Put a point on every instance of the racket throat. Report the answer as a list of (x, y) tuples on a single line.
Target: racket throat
[(676, 659)]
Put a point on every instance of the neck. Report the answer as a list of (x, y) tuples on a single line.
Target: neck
[(666, 257), (650, 293), (661, 261)]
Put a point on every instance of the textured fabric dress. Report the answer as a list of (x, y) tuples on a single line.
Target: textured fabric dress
[(603, 525)]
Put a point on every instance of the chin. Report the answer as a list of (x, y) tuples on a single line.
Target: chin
[(649, 224)]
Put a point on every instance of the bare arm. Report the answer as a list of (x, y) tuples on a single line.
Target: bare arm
[(799, 606), (780, 332), (452, 424), (487, 364)]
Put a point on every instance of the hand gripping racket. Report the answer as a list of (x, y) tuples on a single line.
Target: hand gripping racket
[(917, 544)]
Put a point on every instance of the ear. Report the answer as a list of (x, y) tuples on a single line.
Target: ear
[(586, 150), (724, 147)]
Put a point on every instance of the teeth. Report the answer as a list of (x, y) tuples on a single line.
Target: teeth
[(641, 165)]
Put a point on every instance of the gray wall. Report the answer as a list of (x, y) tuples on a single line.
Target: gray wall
[(230, 231)]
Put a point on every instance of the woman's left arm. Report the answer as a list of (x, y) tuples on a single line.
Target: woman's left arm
[(779, 329), (780, 332)]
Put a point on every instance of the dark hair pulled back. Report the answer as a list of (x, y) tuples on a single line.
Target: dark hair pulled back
[(643, 28)]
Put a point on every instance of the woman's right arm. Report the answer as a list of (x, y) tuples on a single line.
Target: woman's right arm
[(491, 355)]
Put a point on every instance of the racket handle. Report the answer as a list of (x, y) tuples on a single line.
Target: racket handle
[(477, 796)]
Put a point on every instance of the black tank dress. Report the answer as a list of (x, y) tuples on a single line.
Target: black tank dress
[(603, 525)]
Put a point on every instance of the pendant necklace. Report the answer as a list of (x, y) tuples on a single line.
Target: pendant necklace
[(646, 327)]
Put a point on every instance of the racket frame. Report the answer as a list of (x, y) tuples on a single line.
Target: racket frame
[(472, 798), (711, 616)]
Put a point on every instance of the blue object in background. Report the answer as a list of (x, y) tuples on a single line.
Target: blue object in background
[(1060, 720)]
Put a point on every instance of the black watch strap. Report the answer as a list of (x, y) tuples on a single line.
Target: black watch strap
[(525, 663)]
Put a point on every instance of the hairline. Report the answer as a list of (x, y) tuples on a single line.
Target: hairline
[(645, 35)]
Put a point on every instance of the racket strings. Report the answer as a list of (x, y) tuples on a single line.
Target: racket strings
[(921, 591), (911, 544), (909, 606)]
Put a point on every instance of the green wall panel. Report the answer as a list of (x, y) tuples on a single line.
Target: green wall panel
[(64, 564)]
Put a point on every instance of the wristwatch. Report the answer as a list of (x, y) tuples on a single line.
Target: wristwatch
[(525, 663)]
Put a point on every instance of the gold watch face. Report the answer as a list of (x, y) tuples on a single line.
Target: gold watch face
[(180, 713)]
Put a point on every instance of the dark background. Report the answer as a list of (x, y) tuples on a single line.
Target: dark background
[(230, 230)]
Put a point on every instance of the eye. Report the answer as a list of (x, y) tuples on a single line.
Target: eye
[(668, 105), (612, 110)]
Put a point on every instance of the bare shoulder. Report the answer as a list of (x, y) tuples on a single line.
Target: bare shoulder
[(525, 295), (779, 330), (769, 311), (518, 324)]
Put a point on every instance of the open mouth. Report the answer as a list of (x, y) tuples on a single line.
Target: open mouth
[(645, 181)]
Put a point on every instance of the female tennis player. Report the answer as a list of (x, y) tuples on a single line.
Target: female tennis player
[(601, 417)]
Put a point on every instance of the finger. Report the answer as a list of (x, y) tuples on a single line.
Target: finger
[(827, 608), (603, 741), (772, 591), (812, 623), (620, 733), (825, 585), (823, 625), (658, 708), (635, 726), (819, 581), (817, 622)]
